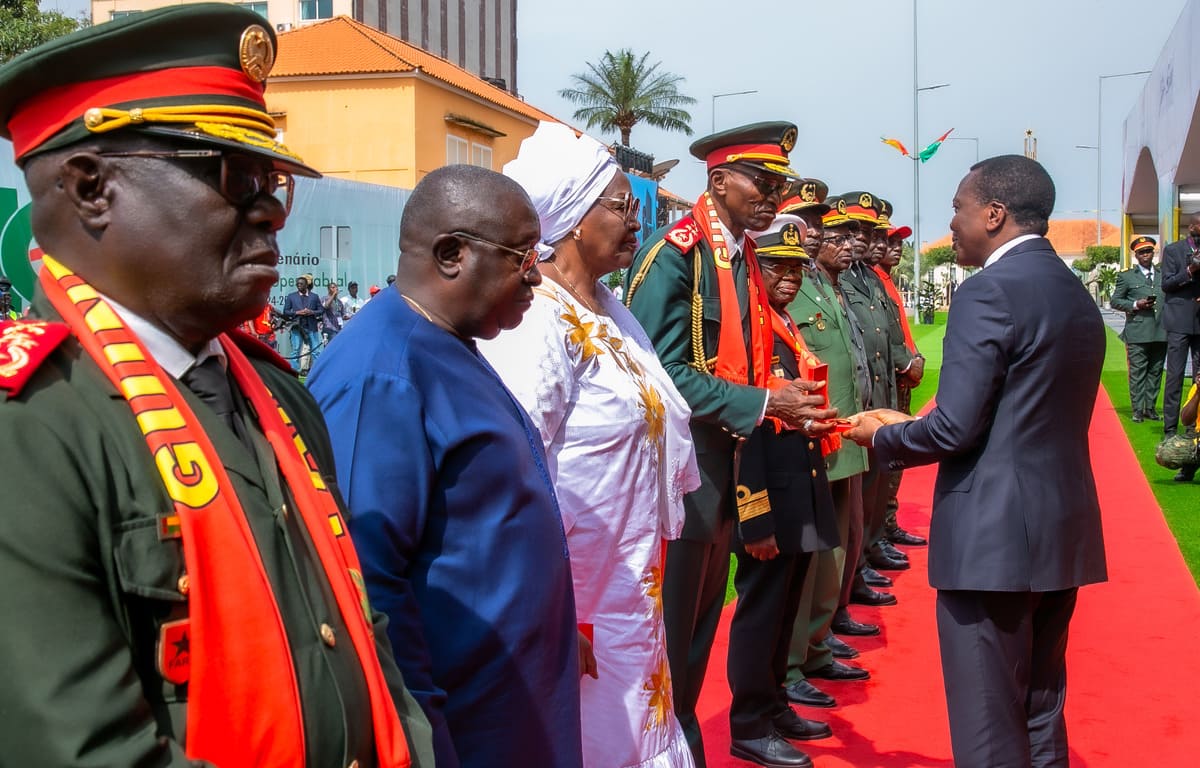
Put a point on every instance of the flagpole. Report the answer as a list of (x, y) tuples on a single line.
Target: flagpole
[(916, 183)]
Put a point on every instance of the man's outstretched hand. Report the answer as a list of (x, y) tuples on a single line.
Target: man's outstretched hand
[(867, 423)]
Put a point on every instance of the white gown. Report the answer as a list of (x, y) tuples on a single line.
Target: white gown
[(620, 456)]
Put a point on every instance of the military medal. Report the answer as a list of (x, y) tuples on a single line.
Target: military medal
[(820, 322)]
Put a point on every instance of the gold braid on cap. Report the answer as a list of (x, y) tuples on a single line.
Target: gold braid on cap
[(223, 121)]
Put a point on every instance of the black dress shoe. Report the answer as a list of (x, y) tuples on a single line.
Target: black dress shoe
[(838, 648), (1185, 474), (773, 751), (881, 562), (1137, 417), (901, 536), (789, 725), (868, 596), (804, 692), (844, 625), (1152, 415), (888, 550), (874, 578), (836, 670)]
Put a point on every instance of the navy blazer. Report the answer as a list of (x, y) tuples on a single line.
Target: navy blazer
[(1181, 314), (1014, 506)]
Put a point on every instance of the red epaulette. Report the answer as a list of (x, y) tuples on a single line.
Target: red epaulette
[(252, 347), (684, 234), (24, 345)]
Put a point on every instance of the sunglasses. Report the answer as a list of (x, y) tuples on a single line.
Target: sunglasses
[(525, 258), (243, 178), (784, 269), (765, 186), (627, 206), (837, 239)]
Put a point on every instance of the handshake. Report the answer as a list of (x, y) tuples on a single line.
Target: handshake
[(865, 424)]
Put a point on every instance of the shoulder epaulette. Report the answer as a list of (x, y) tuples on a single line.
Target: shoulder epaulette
[(25, 345), (254, 348), (684, 234)]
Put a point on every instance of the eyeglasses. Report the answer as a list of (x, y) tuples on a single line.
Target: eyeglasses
[(628, 206), (243, 178), (784, 269), (837, 239), (527, 257), (765, 186)]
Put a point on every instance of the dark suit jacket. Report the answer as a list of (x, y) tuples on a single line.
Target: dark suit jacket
[(1182, 312), (1014, 507), (1142, 326), (789, 468), (721, 411)]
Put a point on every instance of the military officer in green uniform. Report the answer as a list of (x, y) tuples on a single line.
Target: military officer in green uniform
[(1139, 295), (808, 203), (870, 304), (180, 588), (695, 287), (822, 314), (9, 308)]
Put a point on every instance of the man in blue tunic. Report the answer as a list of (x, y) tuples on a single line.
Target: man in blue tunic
[(455, 518)]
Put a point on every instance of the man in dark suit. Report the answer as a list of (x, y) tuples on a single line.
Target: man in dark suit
[(1016, 522), (1139, 295), (693, 285), (1181, 318), (785, 514)]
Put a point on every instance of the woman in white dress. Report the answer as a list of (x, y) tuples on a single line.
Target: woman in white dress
[(616, 435)]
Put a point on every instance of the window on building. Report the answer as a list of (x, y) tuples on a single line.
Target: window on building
[(458, 151), (310, 10), (258, 7), (481, 156)]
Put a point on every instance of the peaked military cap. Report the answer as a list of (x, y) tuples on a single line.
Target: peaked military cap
[(195, 72), (884, 209), (899, 232), (861, 206), (1141, 243), (807, 195), (784, 239), (764, 146)]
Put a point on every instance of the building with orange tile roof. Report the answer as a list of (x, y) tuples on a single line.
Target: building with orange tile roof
[(359, 104)]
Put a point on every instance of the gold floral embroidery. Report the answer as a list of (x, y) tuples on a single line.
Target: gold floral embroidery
[(15, 343), (653, 581), (654, 412), (580, 334), (659, 686)]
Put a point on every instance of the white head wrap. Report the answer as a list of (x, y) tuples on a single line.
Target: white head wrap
[(563, 175)]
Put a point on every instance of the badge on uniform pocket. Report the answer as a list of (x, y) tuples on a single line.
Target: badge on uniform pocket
[(174, 651)]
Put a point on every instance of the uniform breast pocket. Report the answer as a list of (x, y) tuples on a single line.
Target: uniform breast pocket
[(155, 586)]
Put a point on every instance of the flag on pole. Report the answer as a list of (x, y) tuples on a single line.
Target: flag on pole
[(895, 143), (929, 151)]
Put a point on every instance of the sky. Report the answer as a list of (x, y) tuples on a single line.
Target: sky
[(843, 72)]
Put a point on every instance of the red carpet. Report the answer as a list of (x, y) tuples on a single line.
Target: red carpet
[(1133, 660)]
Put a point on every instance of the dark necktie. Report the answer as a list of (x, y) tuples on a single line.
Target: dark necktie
[(210, 383), (741, 283)]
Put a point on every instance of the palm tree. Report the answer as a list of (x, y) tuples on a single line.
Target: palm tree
[(622, 91)]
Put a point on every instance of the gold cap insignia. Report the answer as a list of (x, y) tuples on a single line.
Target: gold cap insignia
[(256, 53), (808, 192), (790, 235), (789, 140), (865, 200), (841, 206)]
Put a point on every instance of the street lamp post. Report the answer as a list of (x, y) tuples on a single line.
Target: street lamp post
[(1099, 115), (917, 171), (968, 138), (716, 96)]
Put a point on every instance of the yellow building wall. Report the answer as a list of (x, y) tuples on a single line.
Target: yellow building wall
[(387, 130), (356, 129), (434, 103)]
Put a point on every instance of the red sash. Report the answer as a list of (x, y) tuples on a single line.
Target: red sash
[(244, 702), (805, 361), (894, 293), (732, 364)]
